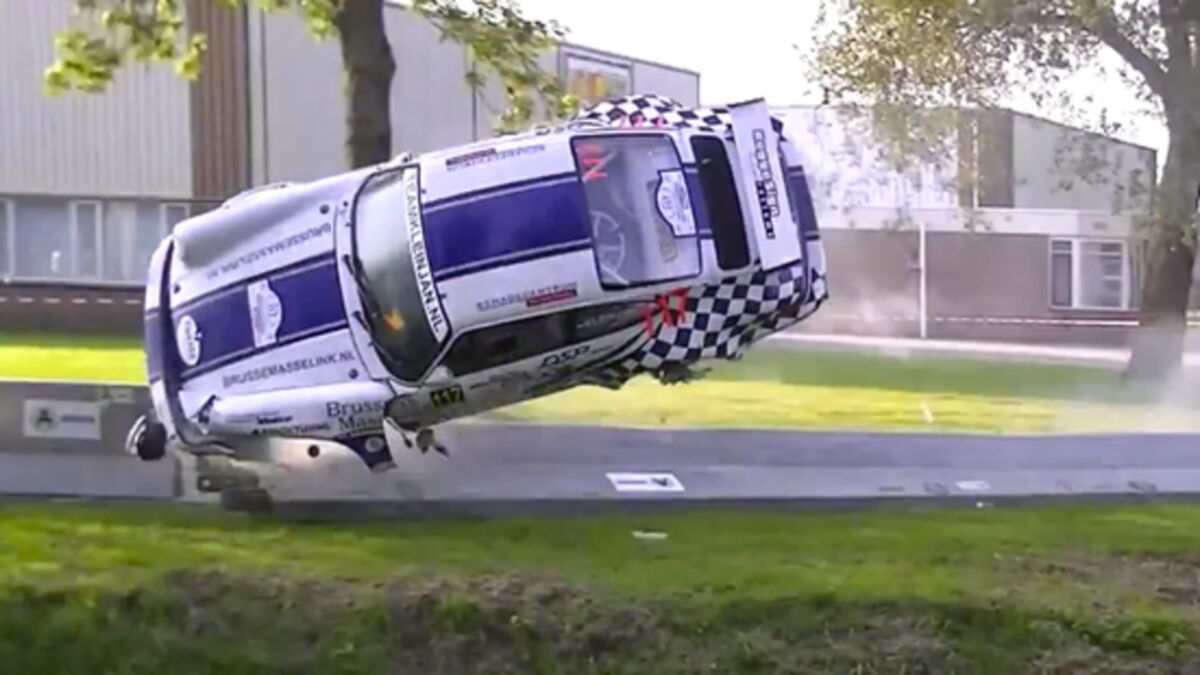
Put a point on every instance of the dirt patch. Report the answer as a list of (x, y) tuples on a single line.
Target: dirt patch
[(208, 621), (1170, 578)]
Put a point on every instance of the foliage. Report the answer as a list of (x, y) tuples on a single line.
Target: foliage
[(106, 35), (954, 59)]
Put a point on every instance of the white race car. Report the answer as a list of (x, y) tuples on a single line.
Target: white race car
[(640, 237)]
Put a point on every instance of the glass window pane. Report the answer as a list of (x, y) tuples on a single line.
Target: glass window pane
[(1102, 275), (404, 310), (721, 200), (641, 211), (87, 244), (5, 229), (43, 236), (507, 343), (120, 221), (1060, 246), (1060, 280), (173, 214)]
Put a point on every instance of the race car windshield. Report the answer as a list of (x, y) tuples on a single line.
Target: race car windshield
[(403, 311), (641, 212)]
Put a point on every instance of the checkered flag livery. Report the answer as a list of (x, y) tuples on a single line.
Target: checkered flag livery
[(717, 320)]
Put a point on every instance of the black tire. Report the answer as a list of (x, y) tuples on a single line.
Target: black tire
[(152, 446)]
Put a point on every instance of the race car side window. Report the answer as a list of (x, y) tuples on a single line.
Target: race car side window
[(517, 340), (721, 198), (640, 209), (398, 313)]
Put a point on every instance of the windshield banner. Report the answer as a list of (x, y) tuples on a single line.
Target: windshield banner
[(430, 299)]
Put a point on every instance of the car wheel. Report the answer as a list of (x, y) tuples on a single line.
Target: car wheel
[(152, 443)]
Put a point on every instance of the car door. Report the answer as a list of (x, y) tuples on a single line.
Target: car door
[(512, 360)]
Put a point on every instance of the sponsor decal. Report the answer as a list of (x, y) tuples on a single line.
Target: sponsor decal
[(335, 409), (420, 258), (489, 155), (532, 298), (78, 420), (295, 430), (674, 204), (355, 416), (285, 368), (565, 356), (447, 396), (187, 340), (764, 181), (272, 249), (668, 313), (645, 482), (266, 313)]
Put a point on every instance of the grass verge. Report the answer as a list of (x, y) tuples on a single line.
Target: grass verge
[(771, 388), (157, 589)]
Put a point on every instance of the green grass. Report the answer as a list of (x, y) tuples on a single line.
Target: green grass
[(772, 388), (778, 388), (66, 357), (88, 589)]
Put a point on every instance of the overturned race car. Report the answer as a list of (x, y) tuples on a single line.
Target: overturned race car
[(640, 237)]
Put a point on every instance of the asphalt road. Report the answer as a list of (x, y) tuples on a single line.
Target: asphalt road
[(515, 468), (500, 469)]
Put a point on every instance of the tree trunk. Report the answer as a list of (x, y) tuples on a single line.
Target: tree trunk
[(1158, 345), (368, 70)]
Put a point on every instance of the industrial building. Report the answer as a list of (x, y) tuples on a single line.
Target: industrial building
[(89, 184), (1021, 230)]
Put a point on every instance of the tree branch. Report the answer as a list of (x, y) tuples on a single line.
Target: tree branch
[(1106, 29), (1174, 22)]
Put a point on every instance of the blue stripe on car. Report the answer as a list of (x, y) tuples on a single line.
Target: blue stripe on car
[(516, 223), (311, 302), (487, 229)]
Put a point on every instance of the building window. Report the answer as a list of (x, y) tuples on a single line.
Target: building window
[(1091, 274), (85, 239), (7, 237), (172, 215), (43, 237)]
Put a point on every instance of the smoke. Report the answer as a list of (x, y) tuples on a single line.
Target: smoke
[(1119, 405)]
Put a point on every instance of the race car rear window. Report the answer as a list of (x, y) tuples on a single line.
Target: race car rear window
[(721, 198)]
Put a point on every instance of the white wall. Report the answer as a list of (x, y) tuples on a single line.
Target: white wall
[(846, 168), (300, 107), (679, 85), (1046, 162), (298, 117), (135, 139)]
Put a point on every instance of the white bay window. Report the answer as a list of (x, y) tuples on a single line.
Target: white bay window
[(1091, 274)]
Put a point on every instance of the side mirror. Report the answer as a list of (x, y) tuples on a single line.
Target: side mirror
[(440, 375)]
